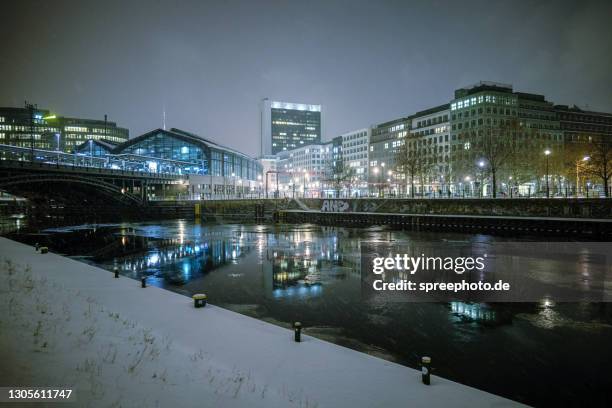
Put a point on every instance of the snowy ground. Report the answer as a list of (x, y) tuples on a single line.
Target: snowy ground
[(65, 323)]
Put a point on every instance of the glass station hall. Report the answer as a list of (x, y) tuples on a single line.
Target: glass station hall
[(214, 171)]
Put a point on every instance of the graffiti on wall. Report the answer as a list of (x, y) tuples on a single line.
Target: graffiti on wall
[(335, 206)]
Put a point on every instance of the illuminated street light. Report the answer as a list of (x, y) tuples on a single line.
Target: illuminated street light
[(584, 159), (547, 153)]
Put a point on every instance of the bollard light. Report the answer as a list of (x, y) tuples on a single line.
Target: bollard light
[(116, 270), (426, 369), (143, 282), (297, 328), (37, 246), (199, 300)]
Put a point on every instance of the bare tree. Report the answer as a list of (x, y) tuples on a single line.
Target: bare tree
[(338, 176), (600, 163), (412, 163), (503, 149)]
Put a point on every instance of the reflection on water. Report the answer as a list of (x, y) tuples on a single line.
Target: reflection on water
[(280, 274)]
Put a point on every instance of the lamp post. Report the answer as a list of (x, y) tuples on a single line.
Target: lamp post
[(306, 176), (390, 174), (584, 160), (91, 152), (260, 184), (57, 138), (467, 180), (510, 186), (547, 153), (381, 192), (234, 184), (481, 165), (375, 170), (588, 185)]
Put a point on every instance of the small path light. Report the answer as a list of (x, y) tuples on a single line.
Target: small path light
[(199, 300), (143, 282), (426, 369), (37, 246), (116, 270), (297, 328)]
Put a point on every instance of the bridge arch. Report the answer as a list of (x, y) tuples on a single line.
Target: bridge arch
[(28, 184)]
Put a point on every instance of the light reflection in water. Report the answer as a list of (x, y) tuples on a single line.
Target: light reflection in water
[(313, 274)]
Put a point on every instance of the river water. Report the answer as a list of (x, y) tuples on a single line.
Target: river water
[(543, 354)]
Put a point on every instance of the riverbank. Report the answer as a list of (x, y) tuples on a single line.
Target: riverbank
[(65, 323)]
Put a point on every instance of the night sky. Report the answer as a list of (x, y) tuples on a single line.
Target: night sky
[(210, 63)]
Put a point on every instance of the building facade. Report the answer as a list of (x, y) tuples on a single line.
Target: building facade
[(355, 158), (40, 129), (578, 124), (495, 130), (214, 171), (429, 151), (303, 172), (286, 126), (385, 141)]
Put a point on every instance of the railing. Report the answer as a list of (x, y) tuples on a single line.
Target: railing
[(50, 158)]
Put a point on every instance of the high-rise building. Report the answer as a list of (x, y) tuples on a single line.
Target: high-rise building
[(40, 129), (286, 126)]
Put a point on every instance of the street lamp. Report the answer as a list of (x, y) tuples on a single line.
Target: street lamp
[(306, 176), (467, 180), (381, 192), (588, 185), (510, 186), (91, 152), (547, 153), (481, 164), (584, 160), (57, 137), (376, 170)]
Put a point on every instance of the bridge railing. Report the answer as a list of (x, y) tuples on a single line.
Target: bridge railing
[(79, 162)]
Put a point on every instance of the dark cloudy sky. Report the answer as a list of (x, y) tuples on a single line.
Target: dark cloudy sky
[(209, 63)]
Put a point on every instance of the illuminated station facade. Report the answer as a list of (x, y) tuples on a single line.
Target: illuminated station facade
[(210, 169), (213, 170)]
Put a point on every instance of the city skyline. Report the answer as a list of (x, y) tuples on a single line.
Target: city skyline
[(178, 70)]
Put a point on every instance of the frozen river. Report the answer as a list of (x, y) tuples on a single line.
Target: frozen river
[(536, 353)]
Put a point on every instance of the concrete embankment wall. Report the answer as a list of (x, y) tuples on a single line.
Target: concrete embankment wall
[(211, 210), (566, 208), (584, 228)]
